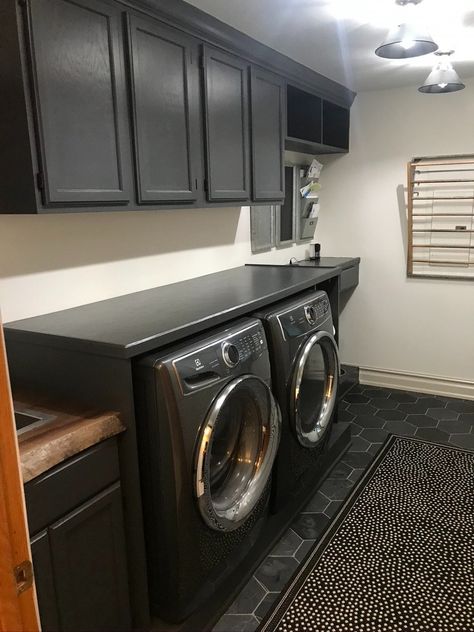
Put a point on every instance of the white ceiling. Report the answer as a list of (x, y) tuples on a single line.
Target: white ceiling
[(337, 38)]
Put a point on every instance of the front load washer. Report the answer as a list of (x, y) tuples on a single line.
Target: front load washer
[(305, 375), (208, 431)]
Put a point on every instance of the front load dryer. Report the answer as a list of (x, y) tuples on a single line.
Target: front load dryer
[(208, 431), (305, 376)]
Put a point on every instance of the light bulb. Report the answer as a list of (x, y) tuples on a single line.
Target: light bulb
[(442, 85), (407, 43)]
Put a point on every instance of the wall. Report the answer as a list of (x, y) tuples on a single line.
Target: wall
[(409, 326), (50, 263)]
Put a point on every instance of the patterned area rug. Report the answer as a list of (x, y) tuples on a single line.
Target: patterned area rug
[(398, 557)]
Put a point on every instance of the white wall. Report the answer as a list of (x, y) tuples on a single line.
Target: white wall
[(416, 326), (53, 262)]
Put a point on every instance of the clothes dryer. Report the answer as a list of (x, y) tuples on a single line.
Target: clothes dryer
[(305, 376)]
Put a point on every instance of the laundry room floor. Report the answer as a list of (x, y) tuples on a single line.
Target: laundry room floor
[(374, 413)]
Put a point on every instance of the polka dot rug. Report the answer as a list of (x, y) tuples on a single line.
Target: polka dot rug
[(398, 557)]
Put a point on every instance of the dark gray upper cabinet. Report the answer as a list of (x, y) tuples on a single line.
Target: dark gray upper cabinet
[(336, 121), (165, 96), (315, 125), (91, 119), (267, 94), (80, 101), (226, 106)]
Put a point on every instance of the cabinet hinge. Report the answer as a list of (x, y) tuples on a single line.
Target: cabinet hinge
[(40, 180), (23, 576)]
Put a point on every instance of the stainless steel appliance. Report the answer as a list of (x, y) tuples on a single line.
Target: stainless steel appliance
[(208, 431), (305, 376)]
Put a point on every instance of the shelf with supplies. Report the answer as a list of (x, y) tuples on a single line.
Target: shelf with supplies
[(441, 217)]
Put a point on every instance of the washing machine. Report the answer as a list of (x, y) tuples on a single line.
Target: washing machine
[(305, 376), (208, 430)]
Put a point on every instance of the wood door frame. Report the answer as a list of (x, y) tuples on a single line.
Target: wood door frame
[(18, 610)]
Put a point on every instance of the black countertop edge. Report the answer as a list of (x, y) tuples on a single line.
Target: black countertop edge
[(39, 330), (322, 264)]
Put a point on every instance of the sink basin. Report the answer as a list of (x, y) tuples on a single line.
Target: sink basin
[(26, 421)]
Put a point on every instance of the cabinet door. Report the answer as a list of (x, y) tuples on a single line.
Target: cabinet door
[(80, 95), (165, 91), (227, 133), (44, 582), (267, 93), (89, 565)]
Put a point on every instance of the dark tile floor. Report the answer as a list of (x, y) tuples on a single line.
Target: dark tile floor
[(373, 412)]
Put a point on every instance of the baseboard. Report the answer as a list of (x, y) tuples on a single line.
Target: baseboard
[(446, 386)]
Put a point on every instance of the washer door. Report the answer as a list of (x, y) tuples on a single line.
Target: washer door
[(314, 388), (236, 451)]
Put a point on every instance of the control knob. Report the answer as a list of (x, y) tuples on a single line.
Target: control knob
[(310, 313), (231, 354)]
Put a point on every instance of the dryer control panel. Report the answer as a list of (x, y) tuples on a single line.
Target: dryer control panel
[(218, 359), (306, 317)]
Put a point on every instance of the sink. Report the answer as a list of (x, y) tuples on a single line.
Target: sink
[(26, 420)]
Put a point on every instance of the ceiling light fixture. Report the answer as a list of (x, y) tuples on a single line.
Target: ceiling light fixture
[(443, 78), (407, 39)]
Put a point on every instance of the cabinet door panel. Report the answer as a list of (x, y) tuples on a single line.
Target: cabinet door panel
[(267, 123), (80, 92), (227, 133), (44, 582), (88, 552), (166, 116)]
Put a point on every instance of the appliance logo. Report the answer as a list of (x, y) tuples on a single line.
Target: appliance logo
[(198, 363)]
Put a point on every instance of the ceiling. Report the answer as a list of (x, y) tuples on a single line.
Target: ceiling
[(337, 38)]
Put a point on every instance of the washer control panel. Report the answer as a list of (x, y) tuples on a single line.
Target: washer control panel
[(306, 317), (208, 363), (251, 344)]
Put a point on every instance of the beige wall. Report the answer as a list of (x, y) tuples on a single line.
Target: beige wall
[(50, 263), (416, 326)]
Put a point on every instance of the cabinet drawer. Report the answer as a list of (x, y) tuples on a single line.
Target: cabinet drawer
[(64, 487), (349, 278)]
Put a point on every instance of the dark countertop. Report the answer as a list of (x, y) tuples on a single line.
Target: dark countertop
[(133, 324), (324, 262)]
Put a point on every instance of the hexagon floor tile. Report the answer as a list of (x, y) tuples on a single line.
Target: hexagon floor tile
[(375, 412)]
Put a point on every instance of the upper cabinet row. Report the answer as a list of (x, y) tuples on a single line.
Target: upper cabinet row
[(107, 109)]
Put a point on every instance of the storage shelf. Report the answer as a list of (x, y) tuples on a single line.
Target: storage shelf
[(444, 207)]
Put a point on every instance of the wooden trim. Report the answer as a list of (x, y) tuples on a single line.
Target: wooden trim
[(410, 189), (18, 612)]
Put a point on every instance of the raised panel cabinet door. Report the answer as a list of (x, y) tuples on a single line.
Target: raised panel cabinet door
[(226, 109), (165, 93), (44, 582), (267, 99), (80, 101), (89, 563)]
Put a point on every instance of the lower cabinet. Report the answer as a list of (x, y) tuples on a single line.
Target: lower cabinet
[(80, 567)]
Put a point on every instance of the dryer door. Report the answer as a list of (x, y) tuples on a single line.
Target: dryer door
[(235, 452), (314, 388)]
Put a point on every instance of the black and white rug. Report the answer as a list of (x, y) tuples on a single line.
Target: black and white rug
[(398, 557)]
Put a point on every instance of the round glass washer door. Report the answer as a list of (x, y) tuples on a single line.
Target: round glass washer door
[(236, 451), (314, 388)]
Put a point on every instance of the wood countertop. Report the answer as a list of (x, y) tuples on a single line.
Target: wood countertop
[(58, 435)]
